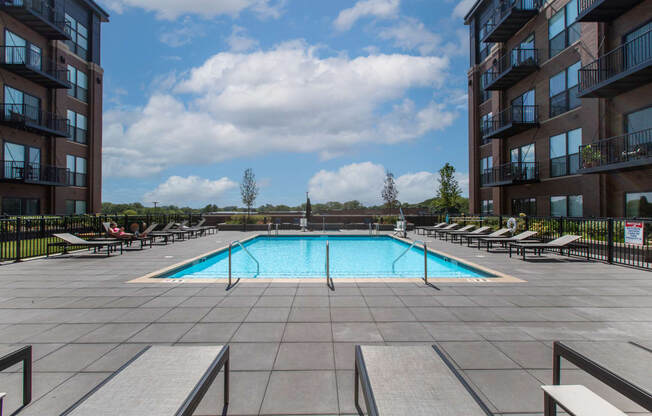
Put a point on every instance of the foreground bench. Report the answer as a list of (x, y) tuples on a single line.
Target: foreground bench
[(161, 381), (576, 401), (412, 381), (22, 355)]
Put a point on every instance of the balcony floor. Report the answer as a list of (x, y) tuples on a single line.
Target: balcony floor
[(36, 76), (620, 83), (36, 22), (509, 25), (606, 10), (511, 76)]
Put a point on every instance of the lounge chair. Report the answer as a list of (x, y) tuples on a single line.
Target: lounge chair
[(446, 233), (143, 238), (21, 355), (160, 380), (453, 226), (558, 244), (431, 227), (414, 380), (478, 231), (165, 233), (70, 240), (576, 400), (518, 238), (502, 233)]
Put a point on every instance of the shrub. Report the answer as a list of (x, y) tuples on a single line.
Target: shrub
[(129, 212), (242, 218)]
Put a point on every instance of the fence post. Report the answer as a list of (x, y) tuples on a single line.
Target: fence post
[(17, 249), (527, 223), (500, 221), (42, 227), (610, 240), (561, 226)]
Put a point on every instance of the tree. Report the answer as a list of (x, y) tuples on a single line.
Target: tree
[(449, 191), (389, 193), (249, 190)]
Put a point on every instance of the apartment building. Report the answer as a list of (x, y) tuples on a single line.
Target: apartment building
[(560, 107), (51, 107)]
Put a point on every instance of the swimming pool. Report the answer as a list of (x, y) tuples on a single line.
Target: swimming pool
[(305, 257)]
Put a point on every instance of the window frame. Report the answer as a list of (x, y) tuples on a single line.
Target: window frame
[(77, 134), (567, 199), (567, 93), (73, 43), (522, 202), (575, 25), (74, 178), (568, 157), (76, 90), (625, 202)]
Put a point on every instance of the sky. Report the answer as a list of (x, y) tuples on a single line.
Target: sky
[(315, 96)]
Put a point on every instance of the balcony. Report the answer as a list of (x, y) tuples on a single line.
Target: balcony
[(31, 65), (33, 173), (32, 119), (509, 18), (617, 153), (602, 10), (39, 16), (510, 174), (511, 68), (621, 70), (514, 120)]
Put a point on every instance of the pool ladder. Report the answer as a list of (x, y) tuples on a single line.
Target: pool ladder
[(269, 230), (327, 266), (237, 242), (425, 258)]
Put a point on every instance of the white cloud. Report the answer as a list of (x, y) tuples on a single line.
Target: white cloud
[(238, 41), (171, 9), (462, 8), (385, 9), (411, 34), (364, 182), (189, 190), (285, 99)]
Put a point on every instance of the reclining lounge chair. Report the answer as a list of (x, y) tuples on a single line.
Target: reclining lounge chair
[(558, 244), (446, 233), (524, 236), (70, 240), (161, 381), (432, 227), (502, 233), (434, 231), (455, 235), (415, 381)]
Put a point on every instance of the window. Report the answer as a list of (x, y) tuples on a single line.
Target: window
[(563, 31), (523, 162), (563, 90), (566, 206), (564, 153), (79, 34), (636, 49), (523, 53), (638, 120), (75, 207), (487, 207), (638, 204), (20, 206), (484, 94), (19, 51), (21, 106), (79, 82), (78, 127), (527, 206), (77, 167), (485, 170), (524, 109), (21, 162), (486, 124)]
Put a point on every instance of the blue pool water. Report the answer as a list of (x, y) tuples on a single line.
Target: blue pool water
[(305, 257)]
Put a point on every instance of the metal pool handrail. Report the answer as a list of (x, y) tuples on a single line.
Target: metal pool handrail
[(269, 229), (425, 258), (237, 242), (329, 281)]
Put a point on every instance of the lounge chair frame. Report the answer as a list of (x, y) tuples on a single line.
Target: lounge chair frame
[(624, 387), (362, 380), (109, 244), (194, 398), (537, 248), (23, 355)]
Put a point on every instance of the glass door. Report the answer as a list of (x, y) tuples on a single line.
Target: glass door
[(34, 166), (14, 156)]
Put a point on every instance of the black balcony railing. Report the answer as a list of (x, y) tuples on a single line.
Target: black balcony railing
[(564, 165), (622, 69), (39, 15), (620, 152), (510, 174), (508, 18), (602, 10), (511, 121), (76, 179), (32, 119), (511, 68), (36, 173), (31, 65)]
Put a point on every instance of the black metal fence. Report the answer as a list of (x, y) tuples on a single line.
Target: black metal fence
[(603, 239), (25, 237)]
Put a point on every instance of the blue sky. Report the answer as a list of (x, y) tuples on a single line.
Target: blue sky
[(319, 96)]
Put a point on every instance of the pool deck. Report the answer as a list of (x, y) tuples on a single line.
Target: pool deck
[(292, 342)]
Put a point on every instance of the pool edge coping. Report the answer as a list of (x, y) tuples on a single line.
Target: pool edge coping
[(498, 277)]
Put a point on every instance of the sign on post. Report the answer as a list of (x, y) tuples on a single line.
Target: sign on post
[(634, 233)]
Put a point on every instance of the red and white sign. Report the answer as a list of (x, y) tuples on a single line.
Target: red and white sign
[(634, 233)]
